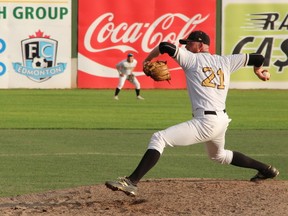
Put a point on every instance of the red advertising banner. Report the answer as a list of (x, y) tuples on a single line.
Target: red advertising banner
[(109, 30)]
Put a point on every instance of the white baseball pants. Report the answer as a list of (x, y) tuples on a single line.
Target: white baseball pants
[(123, 78), (208, 129)]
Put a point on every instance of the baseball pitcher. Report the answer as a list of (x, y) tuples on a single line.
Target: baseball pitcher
[(207, 78)]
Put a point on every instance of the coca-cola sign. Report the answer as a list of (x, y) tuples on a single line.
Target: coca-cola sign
[(106, 35), (143, 33)]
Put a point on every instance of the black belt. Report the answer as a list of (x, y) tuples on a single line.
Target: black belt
[(212, 112)]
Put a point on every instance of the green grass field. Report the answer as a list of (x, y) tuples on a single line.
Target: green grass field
[(52, 139)]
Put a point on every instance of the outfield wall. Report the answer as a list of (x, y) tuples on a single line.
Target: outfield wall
[(81, 41)]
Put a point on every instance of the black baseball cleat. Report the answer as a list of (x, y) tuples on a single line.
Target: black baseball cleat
[(122, 184), (270, 172)]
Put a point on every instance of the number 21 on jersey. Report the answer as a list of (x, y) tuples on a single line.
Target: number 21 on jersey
[(210, 80)]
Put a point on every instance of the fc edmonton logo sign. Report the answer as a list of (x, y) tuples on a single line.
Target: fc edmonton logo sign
[(39, 55)]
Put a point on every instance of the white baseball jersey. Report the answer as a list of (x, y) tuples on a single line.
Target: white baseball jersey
[(208, 77), (126, 67)]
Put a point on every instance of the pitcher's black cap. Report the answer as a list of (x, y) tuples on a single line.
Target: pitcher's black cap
[(197, 36)]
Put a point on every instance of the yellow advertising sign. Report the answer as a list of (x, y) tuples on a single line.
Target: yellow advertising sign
[(257, 27)]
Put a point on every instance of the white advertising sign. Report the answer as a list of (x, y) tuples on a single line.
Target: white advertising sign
[(35, 44)]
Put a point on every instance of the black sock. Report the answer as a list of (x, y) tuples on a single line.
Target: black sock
[(148, 161), (117, 90), (244, 161), (137, 92)]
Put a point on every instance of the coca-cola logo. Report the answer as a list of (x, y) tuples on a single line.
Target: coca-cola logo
[(106, 34)]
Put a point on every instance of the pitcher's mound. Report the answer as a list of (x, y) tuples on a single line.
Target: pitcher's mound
[(159, 197)]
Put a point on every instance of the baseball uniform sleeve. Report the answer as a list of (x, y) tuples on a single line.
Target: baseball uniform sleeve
[(119, 66), (237, 61), (185, 58)]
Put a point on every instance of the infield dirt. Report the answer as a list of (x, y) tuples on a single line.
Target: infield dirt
[(158, 197)]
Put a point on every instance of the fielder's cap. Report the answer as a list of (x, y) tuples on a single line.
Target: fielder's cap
[(130, 55), (197, 36)]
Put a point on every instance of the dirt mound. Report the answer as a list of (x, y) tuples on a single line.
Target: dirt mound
[(159, 197)]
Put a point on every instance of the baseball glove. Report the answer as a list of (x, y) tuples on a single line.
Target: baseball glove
[(157, 70), (130, 77)]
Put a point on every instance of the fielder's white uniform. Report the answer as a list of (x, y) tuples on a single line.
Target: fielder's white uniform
[(207, 78), (126, 68)]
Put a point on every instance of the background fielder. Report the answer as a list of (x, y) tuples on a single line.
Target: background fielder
[(207, 78), (125, 69)]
